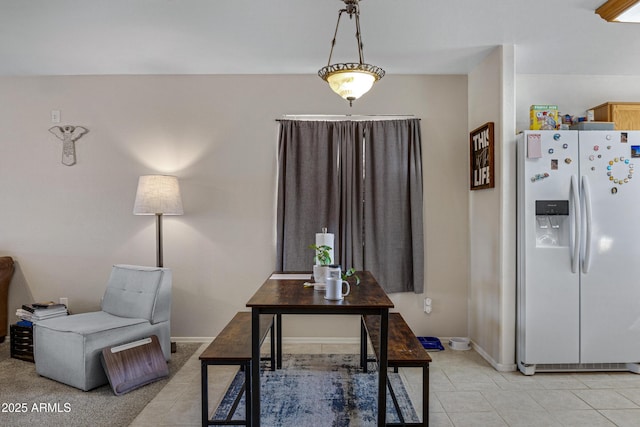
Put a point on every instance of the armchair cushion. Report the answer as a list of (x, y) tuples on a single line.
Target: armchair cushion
[(89, 323), (138, 292)]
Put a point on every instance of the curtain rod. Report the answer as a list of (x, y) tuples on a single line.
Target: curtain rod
[(336, 117)]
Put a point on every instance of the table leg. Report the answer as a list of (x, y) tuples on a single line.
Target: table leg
[(425, 396), (272, 355), (382, 374), (363, 346), (247, 393), (205, 393), (279, 340), (255, 368)]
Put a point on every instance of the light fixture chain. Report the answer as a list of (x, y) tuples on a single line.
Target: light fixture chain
[(335, 35), (359, 37)]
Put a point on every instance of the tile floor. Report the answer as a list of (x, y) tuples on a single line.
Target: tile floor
[(465, 391)]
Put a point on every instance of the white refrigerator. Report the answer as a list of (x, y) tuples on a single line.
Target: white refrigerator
[(578, 276)]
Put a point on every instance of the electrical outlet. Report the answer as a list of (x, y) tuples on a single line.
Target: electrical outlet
[(427, 305), (65, 301), (55, 116)]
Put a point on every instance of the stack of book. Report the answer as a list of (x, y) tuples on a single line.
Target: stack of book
[(41, 311)]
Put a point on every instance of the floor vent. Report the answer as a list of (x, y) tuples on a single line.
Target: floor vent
[(581, 367)]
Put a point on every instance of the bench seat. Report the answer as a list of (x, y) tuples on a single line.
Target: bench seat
[(403, 350), (232, 346)]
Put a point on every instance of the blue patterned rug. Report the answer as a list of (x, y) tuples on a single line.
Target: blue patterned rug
[(318, 391)]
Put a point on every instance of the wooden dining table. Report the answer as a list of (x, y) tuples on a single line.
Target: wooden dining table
[(285, 293)]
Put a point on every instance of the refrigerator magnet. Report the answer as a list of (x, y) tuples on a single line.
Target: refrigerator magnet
[(534, 146)]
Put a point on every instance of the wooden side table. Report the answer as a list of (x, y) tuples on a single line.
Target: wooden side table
[(22, 342)]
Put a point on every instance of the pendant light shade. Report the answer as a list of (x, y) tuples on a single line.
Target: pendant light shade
[(354, 79)]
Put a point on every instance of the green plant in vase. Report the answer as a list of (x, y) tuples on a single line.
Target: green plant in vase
[(323, 256), (322, 260)]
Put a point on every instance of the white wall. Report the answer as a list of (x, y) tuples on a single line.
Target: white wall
[(492, 215), (65, 226)]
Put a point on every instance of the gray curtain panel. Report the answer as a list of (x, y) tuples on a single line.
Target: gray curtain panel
[(393, 233), (363, 181), (308, 189), (349, 233)]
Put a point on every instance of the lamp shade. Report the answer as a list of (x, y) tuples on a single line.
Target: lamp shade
[(351, 85), (158, 194)]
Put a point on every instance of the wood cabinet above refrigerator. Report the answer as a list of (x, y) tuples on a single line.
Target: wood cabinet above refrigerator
[(624, 115)]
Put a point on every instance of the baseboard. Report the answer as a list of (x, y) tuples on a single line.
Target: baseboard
[(500, 367), (320, 340), (192, 339), (285, 340)]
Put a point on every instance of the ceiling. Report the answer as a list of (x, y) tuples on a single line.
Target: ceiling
[(78, 37)]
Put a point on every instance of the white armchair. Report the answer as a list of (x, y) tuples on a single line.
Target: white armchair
[(136, 304)]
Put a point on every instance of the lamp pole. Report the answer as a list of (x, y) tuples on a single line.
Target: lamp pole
[(159, 262)]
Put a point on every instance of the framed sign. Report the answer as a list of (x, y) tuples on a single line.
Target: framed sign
[(482, 165)]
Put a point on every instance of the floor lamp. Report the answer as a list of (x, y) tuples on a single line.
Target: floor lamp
[(158, 195)]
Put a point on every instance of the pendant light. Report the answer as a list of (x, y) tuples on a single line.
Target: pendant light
[(350, 80)]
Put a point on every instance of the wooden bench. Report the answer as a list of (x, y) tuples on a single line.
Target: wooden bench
[(404, 350), (232, 346)]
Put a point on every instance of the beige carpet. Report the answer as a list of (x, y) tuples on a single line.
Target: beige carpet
[(30, 400)]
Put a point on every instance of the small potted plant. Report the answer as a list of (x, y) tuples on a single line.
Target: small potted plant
[(323, 256), (321, 259)]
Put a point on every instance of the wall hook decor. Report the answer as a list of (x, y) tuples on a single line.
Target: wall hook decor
[(69, 135)]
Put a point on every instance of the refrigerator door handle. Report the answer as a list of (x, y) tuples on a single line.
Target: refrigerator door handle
[(586, 265), (575, 260)]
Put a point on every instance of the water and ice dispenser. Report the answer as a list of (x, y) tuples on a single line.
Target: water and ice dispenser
[(552, 223)]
